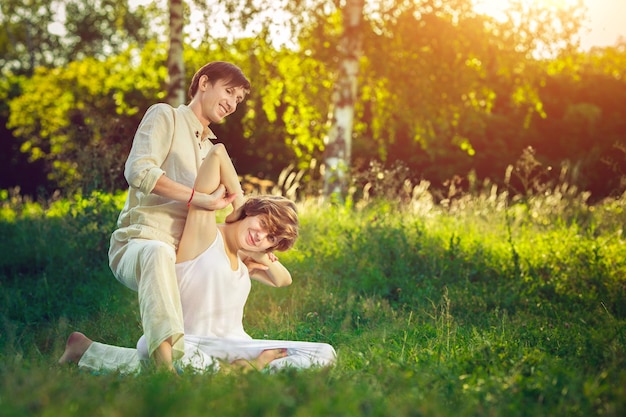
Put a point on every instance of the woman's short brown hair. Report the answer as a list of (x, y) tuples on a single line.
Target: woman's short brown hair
[(281, 218)]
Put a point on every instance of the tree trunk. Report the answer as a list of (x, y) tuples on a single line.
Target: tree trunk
[(339, 140), (175, 63)]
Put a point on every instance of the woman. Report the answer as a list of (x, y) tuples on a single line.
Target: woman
[(214, 284), (166, 155)]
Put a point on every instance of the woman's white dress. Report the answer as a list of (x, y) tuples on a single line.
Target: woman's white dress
[(213, 297)]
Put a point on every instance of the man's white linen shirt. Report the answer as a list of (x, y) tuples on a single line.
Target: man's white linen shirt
[(169, 141)]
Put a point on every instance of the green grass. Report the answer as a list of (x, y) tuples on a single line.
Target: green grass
[(475, 307)]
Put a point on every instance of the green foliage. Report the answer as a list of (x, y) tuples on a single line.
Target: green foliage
[(505, 300), (44, 33), (582, 96), (101, 27), (81, 119), (423, 303), (442, 89), (22, 45), (54, 264)]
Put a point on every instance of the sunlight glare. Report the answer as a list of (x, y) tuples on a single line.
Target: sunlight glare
[(497, 8)]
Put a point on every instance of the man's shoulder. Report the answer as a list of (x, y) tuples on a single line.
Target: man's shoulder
[(161, 108), (165, 113), (159, 111)]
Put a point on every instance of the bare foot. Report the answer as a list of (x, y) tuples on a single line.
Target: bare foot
[(234, 215), (77, 344), (268, 356), (261, 361), (163, 357)]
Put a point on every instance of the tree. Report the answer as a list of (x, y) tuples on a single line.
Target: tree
[(23, 45), (35, 37), (584, 96), (101, 28), (81, 126), (339, 140), (441, 89), (447, 90), (33, 34), (175, 63)]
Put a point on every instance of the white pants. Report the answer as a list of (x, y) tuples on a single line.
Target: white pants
[(148, 267), (204, 354), (106, 358)]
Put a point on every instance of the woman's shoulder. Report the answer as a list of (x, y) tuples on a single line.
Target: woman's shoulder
[(214, 249)]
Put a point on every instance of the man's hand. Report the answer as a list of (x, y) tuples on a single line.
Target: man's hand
[(217, 200)]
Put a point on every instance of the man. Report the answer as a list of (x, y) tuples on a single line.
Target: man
[(166, 154)]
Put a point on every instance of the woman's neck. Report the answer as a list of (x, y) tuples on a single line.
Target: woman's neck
[(229, 232), (231, 246)]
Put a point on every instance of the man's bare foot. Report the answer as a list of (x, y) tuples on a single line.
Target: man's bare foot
[(163, 357), (76, 346)]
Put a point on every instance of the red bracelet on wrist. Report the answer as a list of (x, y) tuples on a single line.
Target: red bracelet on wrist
[(193, 191)]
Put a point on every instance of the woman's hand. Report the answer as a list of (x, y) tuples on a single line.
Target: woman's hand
[(257, 261), (254, 267), (265, 258), (264, 267)]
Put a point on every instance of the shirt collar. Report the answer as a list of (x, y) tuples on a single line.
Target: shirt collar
[(202, 132)]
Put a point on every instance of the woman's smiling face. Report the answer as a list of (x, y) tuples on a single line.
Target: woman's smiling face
[(254, 235)]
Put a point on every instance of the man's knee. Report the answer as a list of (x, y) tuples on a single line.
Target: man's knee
[(156, 260), (156, 251)]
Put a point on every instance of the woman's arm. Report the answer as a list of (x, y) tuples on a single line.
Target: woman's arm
[(266, 268), (216, 175), (226, 174)]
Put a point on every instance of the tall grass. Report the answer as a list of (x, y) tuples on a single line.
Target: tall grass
[(476, 304)]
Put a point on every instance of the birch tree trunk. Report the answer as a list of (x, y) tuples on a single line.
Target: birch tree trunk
[(175, 63), (339, 141)]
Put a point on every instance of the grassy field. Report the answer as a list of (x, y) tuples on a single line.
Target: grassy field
[(470, 307)]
